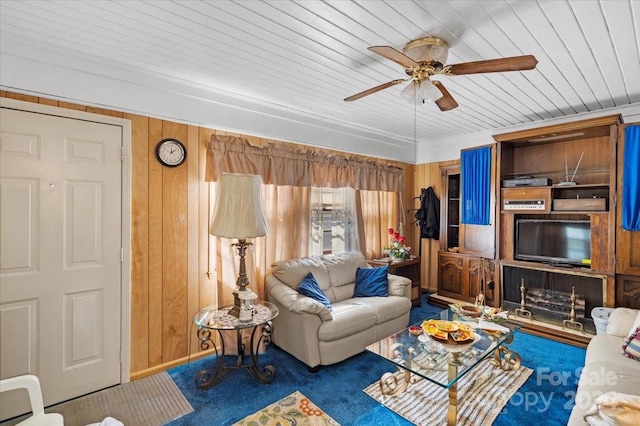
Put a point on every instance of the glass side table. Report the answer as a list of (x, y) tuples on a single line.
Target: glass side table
[(211, 319)]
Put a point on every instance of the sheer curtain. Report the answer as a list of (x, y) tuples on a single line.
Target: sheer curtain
[(340, 208), (380, 211), (287, 210)]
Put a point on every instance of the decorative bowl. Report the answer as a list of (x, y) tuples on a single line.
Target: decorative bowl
[(470, 311), (415, 330)]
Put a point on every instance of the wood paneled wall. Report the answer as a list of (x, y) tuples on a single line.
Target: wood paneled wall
[(170, 239)]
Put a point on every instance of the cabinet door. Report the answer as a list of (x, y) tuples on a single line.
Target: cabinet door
[(450, 283), (480, 239), (628, 291), (473, 278)]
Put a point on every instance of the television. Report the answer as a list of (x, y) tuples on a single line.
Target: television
[(561, 242)]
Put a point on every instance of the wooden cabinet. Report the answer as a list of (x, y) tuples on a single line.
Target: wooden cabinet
[(578, 159), (574, 167), (409, 268), (462, 277)]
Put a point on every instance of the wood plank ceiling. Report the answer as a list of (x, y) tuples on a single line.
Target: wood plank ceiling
[(301, 58)]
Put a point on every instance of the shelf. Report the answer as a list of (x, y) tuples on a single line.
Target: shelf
[(561, 173), (578, 186), (540, 266)]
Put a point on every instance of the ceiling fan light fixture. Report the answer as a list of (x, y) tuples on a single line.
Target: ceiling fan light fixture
[(428, 92), (409, 92)]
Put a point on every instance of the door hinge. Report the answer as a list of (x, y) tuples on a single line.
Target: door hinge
[(122, 153), (121, 254)]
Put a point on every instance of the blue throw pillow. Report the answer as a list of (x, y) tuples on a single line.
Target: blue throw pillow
[(371, 282), (309, 287)]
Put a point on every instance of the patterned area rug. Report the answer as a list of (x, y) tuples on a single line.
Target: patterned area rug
[(482, 394), (295, 409)]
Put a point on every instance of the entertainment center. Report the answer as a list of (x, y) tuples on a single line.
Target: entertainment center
[(556, 248)]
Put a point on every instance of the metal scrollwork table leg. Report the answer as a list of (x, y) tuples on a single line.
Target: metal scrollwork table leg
[(208, 378)]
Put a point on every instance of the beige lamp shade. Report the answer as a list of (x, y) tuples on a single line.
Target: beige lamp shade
[(238, 210)]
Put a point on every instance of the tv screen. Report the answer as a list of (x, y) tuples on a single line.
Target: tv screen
[(553, 241)]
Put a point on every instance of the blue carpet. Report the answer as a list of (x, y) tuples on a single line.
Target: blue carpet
[(546, 397)]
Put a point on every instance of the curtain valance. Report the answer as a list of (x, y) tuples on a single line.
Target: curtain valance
[(280, 164)]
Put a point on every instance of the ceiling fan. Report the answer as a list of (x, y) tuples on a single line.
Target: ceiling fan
[(426, 57)]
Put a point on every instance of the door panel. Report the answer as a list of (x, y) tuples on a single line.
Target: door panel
[(60, 266), (19, 215)]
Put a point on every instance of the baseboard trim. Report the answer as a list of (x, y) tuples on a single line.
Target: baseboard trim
[(168, 365)]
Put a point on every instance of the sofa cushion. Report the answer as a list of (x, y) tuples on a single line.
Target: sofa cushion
[(398, 285), (620, 321), (342, 267), (597, 378), (293, 301), (605, 349), (348, 319), (631, 346), (614, 408), (293, 271), (635, 325), (371, 282), (385, 308), (310, 288)]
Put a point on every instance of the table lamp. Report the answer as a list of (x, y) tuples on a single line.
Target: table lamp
[(238, 215)]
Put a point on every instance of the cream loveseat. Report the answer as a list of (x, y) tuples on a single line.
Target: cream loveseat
[(606, 368), (316, 335)]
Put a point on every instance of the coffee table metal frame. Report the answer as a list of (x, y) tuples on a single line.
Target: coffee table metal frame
[(217, 319), (422, 357)]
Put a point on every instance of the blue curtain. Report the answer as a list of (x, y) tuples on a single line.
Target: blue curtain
[(476, 182), (630, 179)]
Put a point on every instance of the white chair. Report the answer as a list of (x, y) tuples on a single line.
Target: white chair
[(32, 385)]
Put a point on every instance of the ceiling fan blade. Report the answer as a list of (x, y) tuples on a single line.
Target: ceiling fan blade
[(446, 102), (374, 90), (394, 55), (514, 63)]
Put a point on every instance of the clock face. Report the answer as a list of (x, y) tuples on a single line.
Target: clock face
[(171, 152)]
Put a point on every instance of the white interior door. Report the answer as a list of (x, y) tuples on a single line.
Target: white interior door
[(60, 254)]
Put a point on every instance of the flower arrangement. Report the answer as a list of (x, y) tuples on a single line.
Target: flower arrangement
[(397, 249)]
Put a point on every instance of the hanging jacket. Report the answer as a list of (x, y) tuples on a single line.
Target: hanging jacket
[(428, 215)]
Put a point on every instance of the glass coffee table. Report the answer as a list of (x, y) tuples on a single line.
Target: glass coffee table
[(421, 356)]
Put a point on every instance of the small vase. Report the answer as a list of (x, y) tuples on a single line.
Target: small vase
[(399, 256)]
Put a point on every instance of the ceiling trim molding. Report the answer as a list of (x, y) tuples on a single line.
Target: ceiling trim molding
[(161, 98), (449, 148)]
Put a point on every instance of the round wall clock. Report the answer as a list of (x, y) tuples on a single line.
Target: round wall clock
[(171, 152)]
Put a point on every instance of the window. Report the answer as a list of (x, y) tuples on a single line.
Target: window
[(333, 221)]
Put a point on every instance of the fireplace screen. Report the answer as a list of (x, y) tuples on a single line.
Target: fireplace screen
[(547, 295)]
